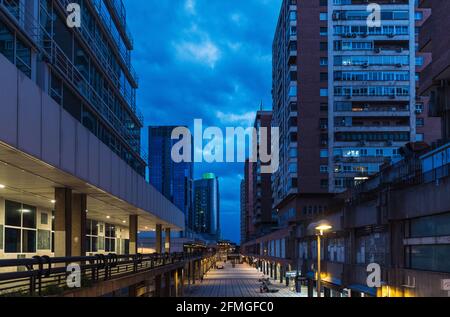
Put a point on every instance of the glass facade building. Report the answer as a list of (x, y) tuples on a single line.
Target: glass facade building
[(86, 69), (206, 218), (173, 180)]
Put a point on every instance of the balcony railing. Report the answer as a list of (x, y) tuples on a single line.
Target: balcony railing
[(94, 43), (45, 276), (119, 11), (108, 23)]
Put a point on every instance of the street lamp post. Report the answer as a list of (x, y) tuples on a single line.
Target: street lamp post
[(321, 228)]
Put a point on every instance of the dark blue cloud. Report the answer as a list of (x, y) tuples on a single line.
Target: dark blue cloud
[(205, 59)]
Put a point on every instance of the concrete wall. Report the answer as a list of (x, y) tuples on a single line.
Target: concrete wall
[(35, 124)]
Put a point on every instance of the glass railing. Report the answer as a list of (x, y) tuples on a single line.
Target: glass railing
[(99, 53)]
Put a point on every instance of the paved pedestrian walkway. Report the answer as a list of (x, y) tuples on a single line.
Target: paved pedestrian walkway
[(241, 281)]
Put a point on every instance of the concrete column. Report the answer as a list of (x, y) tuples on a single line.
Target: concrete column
[(193, 272), (176, 279), (355, 294), (189, 273), (63, 219), (158, 286), (158, 247), (181, 274), (133, 227), (310, 288), (167, 284), (281, 274), (78, 225), (275, 271), (167, 240)]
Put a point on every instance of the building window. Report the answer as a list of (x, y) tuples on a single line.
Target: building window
[(323, 92), (44, 218), (324, 169), (419, 108), (323, 16), (14, 50), (433, 258), (92, 228), (418, 16), (323, 46), (323, 31), (293, 168), (293, 15), (110, 238), (420, 137), (420, 122), (323, 61), (419, 61), (20, 228), (433, 226), (324, 153)]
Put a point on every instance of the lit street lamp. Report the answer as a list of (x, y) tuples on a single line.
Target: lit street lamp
[(321, 227)]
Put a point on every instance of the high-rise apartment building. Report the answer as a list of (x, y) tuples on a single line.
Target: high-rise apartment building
[(206, 218), (300, 110), (344, 98), (263, 218), (173, 180), (243, 213), (372, 88), (257, 212), (72, 177)]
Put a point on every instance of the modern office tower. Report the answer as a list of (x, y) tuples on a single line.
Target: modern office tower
[(434, 38), (250, 196), (207, 207), (243, 213), (72, 174), (300, 109), (263, 220), (173, 180), (372, 88)]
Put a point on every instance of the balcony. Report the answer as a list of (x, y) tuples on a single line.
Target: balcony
[(118, 13), (371, 128)]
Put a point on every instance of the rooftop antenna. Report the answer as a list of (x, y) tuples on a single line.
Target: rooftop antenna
[(261, 106)]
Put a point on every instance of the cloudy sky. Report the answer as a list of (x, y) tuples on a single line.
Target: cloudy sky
[(209, 60)]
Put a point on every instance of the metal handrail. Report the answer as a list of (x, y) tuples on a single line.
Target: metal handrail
[(119, 11), (99, 53), (107, 23), (66, 67), (42, 275)]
